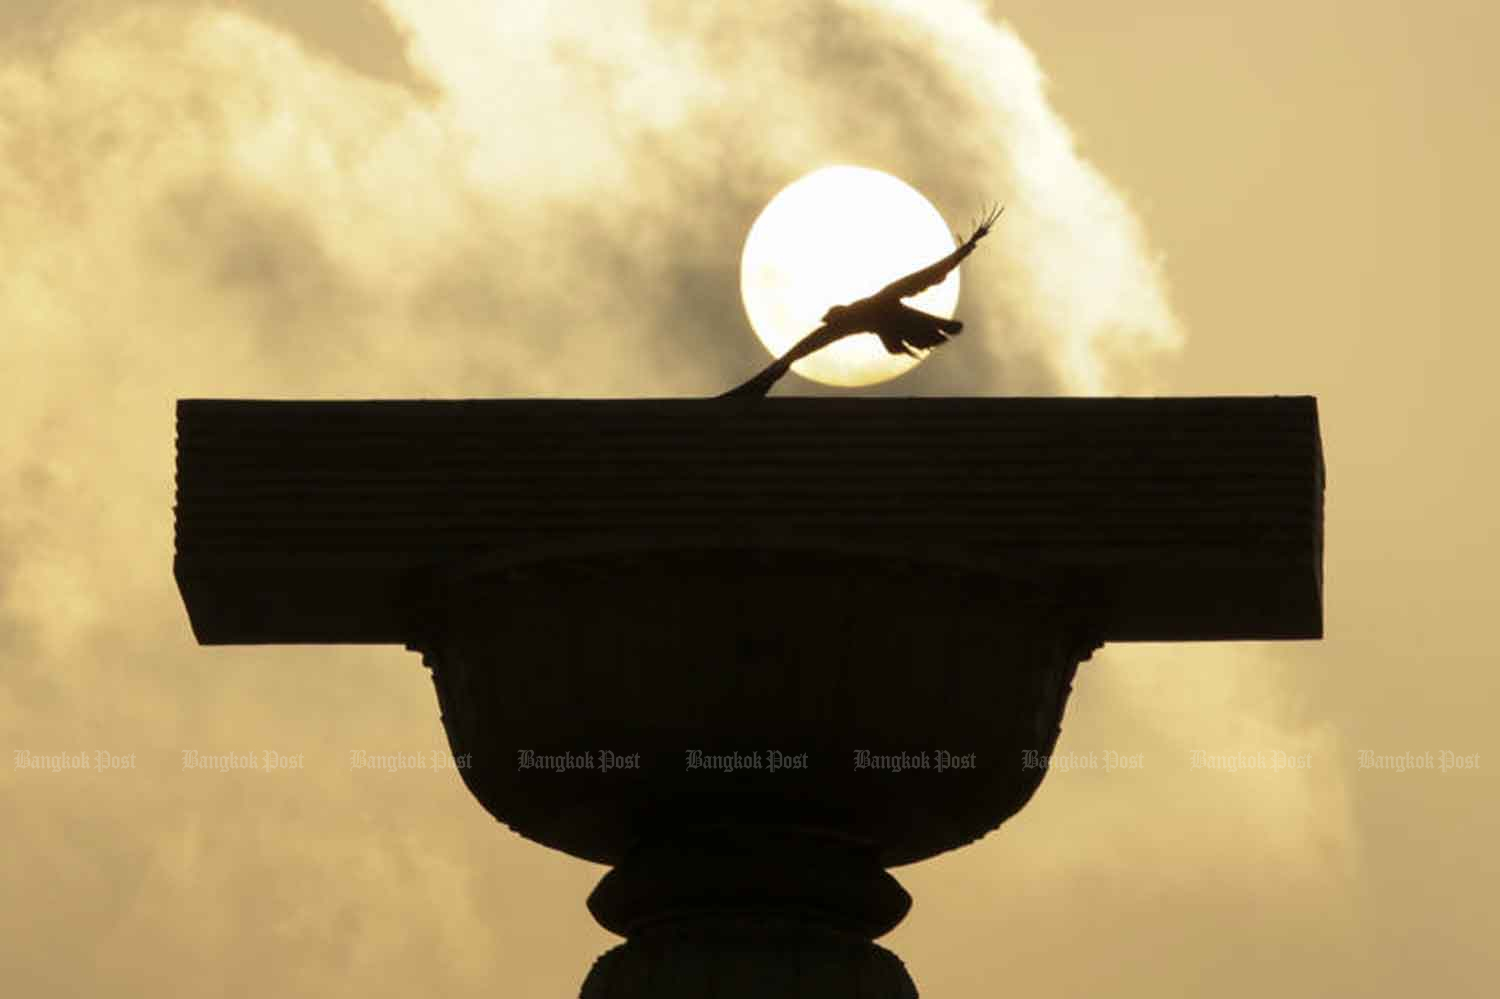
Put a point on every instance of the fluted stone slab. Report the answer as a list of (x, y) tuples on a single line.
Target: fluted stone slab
[(1176, 519)]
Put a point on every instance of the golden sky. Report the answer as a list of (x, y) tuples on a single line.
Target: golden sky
[(409, 198)]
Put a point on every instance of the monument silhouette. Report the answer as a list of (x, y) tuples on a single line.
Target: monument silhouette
[(752, 653)]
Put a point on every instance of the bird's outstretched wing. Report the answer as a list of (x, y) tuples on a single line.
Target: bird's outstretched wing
[(773, 372), (925, 278)]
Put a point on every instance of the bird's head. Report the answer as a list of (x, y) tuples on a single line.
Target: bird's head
[(836, 313)]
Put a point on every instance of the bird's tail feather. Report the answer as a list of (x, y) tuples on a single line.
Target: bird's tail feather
[(931, 337), (761, 383)]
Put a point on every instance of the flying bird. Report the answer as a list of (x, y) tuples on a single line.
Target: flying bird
[(901, 328)]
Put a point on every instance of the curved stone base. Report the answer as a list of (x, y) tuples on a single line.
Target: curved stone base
[(749, 910), (895, 703), (748, 959), (794, 875)]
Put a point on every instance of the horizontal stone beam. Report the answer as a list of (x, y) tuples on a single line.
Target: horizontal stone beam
[(1167, 519)]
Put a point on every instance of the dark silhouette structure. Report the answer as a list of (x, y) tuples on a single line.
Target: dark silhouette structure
[(901, 328), (751, 654)]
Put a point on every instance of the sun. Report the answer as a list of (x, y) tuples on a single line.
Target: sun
[(832, 236)]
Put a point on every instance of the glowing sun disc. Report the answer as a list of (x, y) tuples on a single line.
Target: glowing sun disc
[(830, 237)]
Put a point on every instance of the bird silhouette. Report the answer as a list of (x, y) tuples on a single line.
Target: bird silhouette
[(901, 328)]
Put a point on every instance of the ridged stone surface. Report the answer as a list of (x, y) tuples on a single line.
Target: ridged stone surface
[(1177, 519)]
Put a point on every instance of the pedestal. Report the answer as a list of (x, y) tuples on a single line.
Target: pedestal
[(751, 654)]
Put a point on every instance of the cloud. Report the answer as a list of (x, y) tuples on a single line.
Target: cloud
[(358, 35), (597, 172), (656, 117)]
